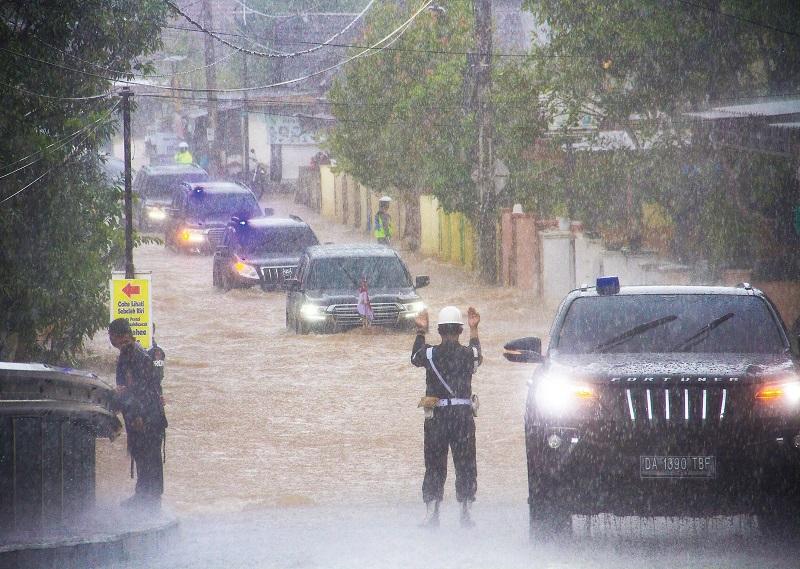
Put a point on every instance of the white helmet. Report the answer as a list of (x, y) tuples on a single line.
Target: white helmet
[(183, 146), (386, 199), (450, 315)]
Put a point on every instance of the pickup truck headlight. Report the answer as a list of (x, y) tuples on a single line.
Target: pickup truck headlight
[(412, 309), (557, 395), (311, 311), (245, 270)]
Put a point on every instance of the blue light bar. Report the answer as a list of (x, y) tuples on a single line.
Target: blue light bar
[(607, 285)]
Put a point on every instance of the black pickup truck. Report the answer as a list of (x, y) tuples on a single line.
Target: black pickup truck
[(663, 401)]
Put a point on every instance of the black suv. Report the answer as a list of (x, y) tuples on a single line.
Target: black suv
[(261, 251), (663, 401), (154, 185), (324, 296), (199, 213)]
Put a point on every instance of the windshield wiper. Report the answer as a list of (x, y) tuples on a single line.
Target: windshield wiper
[(625, 336), (701, 334)]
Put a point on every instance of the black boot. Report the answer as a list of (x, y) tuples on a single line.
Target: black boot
[(432, 515), (466, 518)]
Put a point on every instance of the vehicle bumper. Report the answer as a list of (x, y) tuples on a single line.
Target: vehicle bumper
[(596, 470)]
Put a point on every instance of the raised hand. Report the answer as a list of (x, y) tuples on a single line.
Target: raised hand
[(473, 317), (422, 321)]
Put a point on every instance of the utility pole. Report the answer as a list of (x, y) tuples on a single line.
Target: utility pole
[(211, 84), (482, 70), (245, 123), (126, 145)]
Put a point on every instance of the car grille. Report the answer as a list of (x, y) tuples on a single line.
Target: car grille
[(277, 275), (347, 314), (674, 405), (215, 236)]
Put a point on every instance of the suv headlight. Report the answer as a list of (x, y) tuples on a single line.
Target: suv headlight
[(193, 235), (787, 393), (155, 213), (413, 309), (311, 311), (245, 270), (556, 394)]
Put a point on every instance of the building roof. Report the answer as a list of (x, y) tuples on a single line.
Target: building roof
[(767, 108)]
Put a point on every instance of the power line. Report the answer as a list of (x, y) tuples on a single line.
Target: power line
[(138, 75), (739, 18), (203, 29), (91, 130), (397, 31), (28, 92)]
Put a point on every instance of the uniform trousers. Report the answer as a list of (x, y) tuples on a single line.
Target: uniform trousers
[(451, 427)]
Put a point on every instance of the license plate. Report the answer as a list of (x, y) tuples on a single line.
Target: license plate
[(677, 466)]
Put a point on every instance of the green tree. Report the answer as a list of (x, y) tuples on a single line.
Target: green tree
[(638, 66), (60, 235)]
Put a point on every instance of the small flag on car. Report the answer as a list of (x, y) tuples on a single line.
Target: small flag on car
[(364, 306)]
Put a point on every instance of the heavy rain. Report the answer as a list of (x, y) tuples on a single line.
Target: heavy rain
[(225, 223)]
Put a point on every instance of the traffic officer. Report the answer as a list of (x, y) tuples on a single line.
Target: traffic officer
[(449, 421), (139, 399), (183, 156), (383, 221)]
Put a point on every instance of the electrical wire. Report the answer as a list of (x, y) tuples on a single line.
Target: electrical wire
[(399, 30), (29, 92), (202, 28), (138, 75), (92, 128), (739, 18)]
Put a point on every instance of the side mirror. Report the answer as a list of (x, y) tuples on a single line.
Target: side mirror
[(524, 350), (292, 284), (269, 212), (422, 281)]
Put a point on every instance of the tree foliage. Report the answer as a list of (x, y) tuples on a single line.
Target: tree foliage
[(638, 66), (61, 235)]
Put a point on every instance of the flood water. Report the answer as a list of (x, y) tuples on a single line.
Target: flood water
[(306, 451)]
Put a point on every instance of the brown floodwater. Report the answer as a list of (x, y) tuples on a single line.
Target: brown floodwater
[(260, 417)]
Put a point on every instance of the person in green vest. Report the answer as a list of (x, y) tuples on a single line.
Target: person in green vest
[(183, 156), (383, 221)]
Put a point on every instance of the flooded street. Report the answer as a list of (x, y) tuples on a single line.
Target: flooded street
[(306, 451), (260, 417)]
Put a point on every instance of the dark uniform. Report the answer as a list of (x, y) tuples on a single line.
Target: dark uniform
[(451, 426), (142, 399)]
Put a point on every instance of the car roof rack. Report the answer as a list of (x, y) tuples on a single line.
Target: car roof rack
[(745, 285), (295, 217)]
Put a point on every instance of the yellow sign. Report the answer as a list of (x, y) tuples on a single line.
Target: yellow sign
[(131, 299)]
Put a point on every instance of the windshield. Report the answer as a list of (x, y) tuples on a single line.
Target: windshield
[(277, 240), (161, 186), (346, 273), (205, 205), (670, 323)]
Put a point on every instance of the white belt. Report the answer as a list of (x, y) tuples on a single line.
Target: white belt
[(446, 402)]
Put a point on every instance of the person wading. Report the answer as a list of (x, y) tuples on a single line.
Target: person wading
[(383, 221), (448, 403), (139, 399)]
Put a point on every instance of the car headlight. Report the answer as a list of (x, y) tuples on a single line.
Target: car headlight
[(556, 394), (193, 235), (412, 309), (156, 213), (311, 311), (245, 270)]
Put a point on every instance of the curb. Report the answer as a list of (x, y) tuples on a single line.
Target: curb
[(91, 551)]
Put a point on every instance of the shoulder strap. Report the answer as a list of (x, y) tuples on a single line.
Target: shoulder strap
[(429, 354)]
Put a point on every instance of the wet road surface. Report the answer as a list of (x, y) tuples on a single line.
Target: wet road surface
[(306, 451)]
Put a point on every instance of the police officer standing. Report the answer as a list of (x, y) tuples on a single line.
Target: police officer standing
[(383, 221), (139, 399), (449, 420)]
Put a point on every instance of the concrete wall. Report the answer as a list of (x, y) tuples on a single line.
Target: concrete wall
[(557, 253), (259, 137), (294, 156), (327, 192)]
